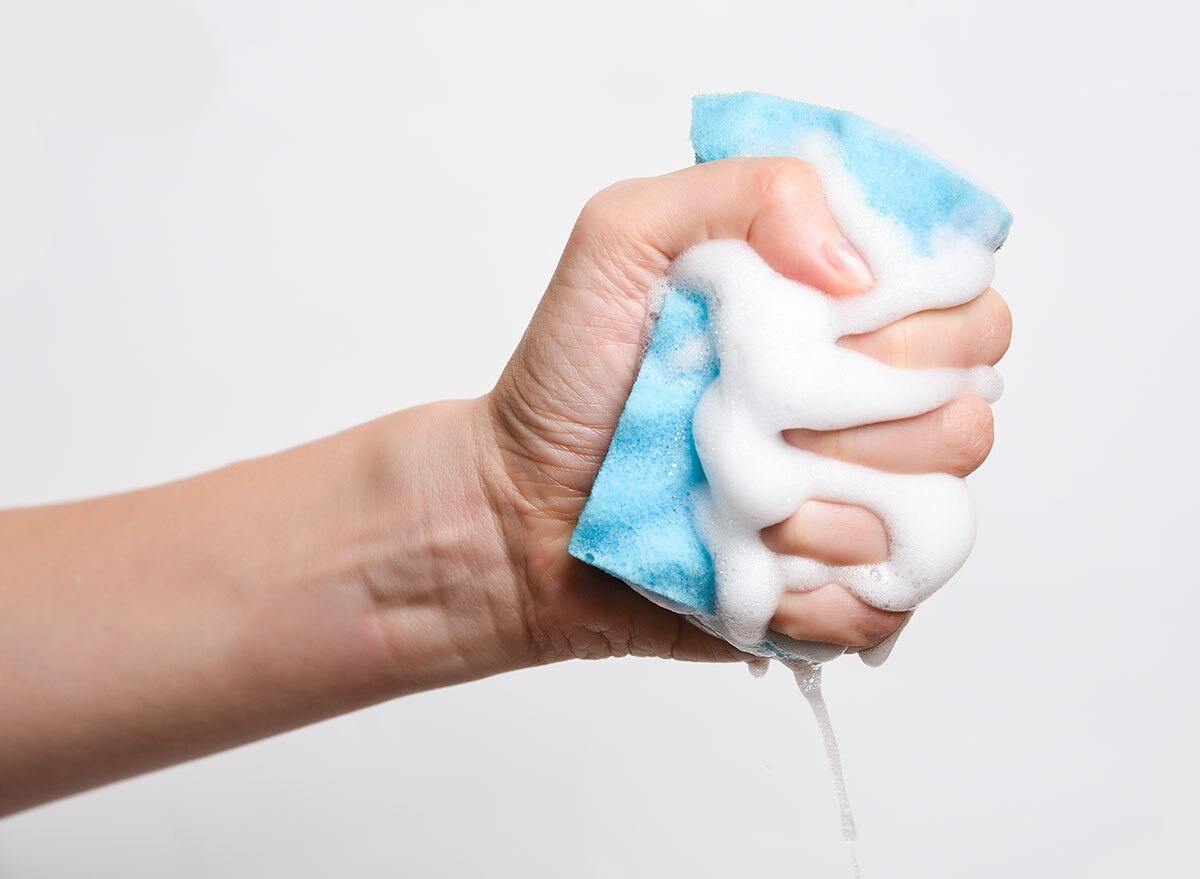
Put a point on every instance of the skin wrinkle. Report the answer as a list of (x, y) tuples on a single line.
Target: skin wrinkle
[(969, 433), (499, 503), (443, 601), (620, 276), (545, 638), (998, 330)]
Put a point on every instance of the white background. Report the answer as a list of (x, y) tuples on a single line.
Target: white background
[(231, 227)]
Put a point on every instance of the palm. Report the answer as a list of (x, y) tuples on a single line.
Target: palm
[(556, 408)]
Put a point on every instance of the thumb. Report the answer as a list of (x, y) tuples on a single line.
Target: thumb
[(775, 204)]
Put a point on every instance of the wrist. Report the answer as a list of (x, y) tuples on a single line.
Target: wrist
[(444, 593)]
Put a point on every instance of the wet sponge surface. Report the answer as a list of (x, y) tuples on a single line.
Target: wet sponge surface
[(638, 523)]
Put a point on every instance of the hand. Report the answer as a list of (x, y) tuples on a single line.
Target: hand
[(556, 406)]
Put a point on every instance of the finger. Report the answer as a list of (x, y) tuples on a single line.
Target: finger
[(833, 615), (836, 534), (776, 204), (972, 334), (954, 439)]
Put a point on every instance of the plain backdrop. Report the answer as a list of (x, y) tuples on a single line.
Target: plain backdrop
[(227, 228)]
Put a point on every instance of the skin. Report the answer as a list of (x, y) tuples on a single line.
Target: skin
[(428, 547)]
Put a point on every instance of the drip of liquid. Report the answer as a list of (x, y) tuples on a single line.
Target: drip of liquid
[(808, 678)]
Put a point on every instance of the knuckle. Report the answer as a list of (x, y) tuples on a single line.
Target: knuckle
[(999, 327), (781, 182), (968, 431)]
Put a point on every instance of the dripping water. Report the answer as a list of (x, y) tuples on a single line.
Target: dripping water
[(808, 678)]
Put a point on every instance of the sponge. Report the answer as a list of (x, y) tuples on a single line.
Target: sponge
[(696, 468)]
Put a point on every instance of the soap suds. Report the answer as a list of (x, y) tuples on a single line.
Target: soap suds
[(781, 368)]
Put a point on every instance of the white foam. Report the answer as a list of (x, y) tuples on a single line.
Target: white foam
[(781, 368)]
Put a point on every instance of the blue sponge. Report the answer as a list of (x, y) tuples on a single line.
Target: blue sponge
[(638, 522)]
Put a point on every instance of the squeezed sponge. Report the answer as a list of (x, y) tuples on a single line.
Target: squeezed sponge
[(678, 519)]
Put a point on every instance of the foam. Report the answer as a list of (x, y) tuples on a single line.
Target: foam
[(698, 464)]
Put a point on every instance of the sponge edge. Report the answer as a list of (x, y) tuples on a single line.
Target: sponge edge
[(639, 523)]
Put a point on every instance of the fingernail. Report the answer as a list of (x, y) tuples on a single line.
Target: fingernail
[(843, 257)]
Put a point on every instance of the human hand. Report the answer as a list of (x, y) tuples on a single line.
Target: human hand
[(556, 406), (429, 547)]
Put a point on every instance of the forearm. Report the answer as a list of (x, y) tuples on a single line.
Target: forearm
[(148, 628)]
